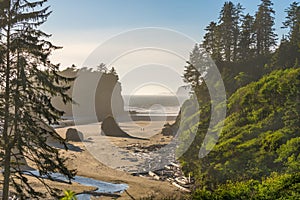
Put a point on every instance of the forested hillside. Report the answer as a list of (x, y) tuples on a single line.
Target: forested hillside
[(261, 132), (257, 153)]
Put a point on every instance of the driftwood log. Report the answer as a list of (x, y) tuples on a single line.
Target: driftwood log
[(180, 187), (155, 176), (94, 193)]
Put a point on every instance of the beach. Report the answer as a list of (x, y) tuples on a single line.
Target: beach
[(112, 160)]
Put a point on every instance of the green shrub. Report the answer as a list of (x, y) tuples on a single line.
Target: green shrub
[(286, 186), (69, 195)]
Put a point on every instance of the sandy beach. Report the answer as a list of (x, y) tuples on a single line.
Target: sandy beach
[(109, 158)]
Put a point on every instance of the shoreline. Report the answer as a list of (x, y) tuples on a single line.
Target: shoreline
[(89, 165), (135, 117)]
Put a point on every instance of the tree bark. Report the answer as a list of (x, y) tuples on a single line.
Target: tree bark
[(7, 146)]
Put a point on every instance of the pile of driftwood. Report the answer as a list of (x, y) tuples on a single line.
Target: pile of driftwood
[(171, 173), (139, 148)]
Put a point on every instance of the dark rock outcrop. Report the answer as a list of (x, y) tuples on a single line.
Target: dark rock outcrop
[(108, 99), (110, 127), (73, 135), (107, 95), (167, 130)]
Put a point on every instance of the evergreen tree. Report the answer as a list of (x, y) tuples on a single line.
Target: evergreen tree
[(246, 38), (113, 71), (191, 74), (196, 69), (102, 68), (30, 81), (292, 22), (238, 10), (263, 28), (211, 41), (288, 52), (221, 40), (227, 28)]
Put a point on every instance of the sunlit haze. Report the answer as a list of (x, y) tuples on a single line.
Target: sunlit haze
[(80, 27)]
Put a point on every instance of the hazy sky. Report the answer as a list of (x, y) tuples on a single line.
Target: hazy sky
[(81, 26)]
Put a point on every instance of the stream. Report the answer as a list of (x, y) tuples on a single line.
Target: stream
[(100, 185)]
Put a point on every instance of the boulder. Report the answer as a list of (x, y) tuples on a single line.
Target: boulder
[(167, 130), (110, 127), (73, 135)]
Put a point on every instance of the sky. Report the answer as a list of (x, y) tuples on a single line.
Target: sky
[(80, 27)]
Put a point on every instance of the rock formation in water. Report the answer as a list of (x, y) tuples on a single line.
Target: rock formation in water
[(108, 99), (100, 94)]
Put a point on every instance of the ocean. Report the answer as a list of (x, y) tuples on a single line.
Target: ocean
[(153, 105)]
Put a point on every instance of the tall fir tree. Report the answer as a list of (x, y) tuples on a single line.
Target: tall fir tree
[(246, 43), (288, 54), (196, 69), (212, 41), (238, 12), (292, 22), (192, 75), (227, 28), (30, 81), (264, 28), (222, 39)]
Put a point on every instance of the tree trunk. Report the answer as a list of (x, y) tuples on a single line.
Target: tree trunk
[(7, 158), (7, 146)]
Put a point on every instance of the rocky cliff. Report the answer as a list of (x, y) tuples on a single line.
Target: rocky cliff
[(107, 95)]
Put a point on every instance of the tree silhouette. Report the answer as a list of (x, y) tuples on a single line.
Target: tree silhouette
[(28, 83), (246, 43), (288, 53), (102, 68), (292, 22), (196, 68), (212, 41), (263, 28), (227, 28)]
